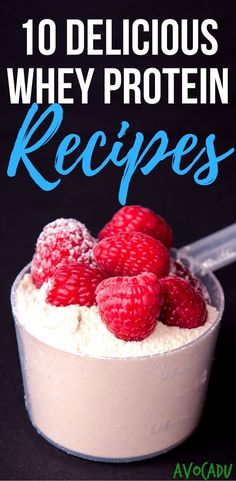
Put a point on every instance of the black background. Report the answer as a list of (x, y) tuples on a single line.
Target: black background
[(193, 212)]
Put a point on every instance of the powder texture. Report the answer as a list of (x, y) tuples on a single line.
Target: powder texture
[(80, 329)]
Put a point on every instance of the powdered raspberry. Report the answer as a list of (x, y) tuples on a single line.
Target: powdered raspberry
[(61, 240), (183, 306), (132, 254), (134, 218), (74, 283), (180, 270), (130, 306)]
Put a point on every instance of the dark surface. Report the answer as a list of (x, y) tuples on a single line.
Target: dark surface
[(193, 212)]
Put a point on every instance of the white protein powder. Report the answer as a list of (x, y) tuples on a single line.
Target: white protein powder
[(80, 329)]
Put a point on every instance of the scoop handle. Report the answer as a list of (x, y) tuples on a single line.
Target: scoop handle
[(215, 250)]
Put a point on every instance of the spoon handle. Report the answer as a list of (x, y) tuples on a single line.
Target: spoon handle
[(215, 250)]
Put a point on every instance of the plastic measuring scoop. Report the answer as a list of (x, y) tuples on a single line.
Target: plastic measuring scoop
[(120, 409)]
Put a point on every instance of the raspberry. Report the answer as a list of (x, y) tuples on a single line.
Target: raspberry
[(74, 283), (61, 240), (180, 270), (131, 254), (183, 306), (134, 218), (130, 306)]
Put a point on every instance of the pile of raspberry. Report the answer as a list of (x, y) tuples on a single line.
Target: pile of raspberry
[(128, 273)]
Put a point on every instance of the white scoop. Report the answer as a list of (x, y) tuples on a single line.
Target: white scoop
[(125, 409)]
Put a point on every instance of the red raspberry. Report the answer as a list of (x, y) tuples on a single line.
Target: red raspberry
[(74, 283), (183, 306), (130, 306), (61, 240), (134, 218), (180, 270), (131, 254)]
